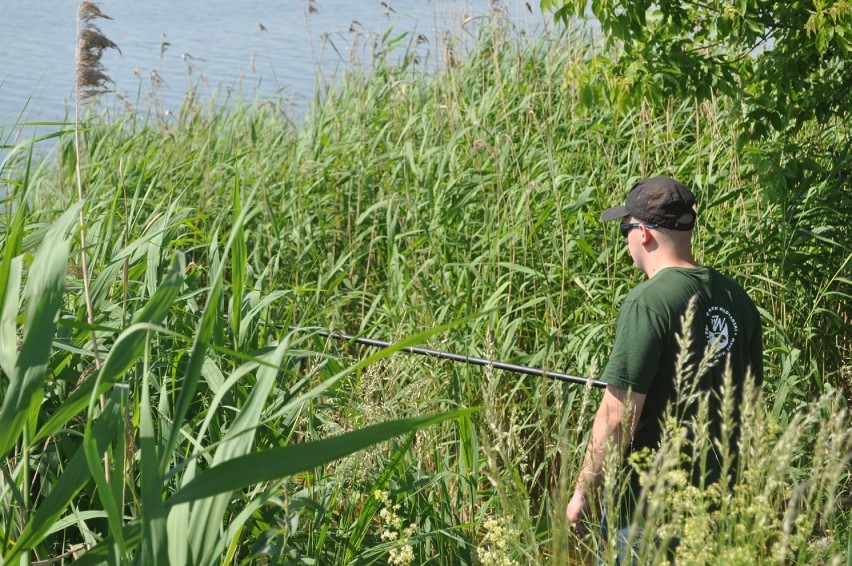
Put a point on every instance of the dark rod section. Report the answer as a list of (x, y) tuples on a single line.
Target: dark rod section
[(457, 357)]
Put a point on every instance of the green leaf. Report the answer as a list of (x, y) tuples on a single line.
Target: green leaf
[(100, 553), (277, 463), (197, 357), (8, 322), (43, 296), (75, 475), (93, 450), (238, 264), (249, 317), (206, 517), (11, 249), (203, 337), (124, 353), (849, 549), (154, 535), (73, 519)]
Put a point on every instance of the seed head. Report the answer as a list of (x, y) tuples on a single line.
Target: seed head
[(91, 44)]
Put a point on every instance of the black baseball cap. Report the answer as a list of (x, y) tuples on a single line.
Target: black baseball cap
[(659, 200)]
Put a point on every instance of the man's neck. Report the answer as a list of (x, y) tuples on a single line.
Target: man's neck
[(657, 266)]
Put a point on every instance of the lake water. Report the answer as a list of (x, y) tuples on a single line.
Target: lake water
[(251, 48)]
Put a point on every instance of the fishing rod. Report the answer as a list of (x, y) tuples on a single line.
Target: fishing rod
[(455, 357)]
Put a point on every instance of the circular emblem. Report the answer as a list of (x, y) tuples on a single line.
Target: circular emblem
[(721, 330)]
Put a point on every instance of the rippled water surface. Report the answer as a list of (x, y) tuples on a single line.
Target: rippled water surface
[(256, 48)]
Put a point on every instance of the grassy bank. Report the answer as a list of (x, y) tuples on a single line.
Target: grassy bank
[(466, 202)]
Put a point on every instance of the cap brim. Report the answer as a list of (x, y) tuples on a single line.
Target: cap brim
[(614, 213)]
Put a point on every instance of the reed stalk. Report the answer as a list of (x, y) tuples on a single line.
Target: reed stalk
[(91, 80)]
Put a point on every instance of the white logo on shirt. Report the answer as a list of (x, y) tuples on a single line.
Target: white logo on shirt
[(721, 330)]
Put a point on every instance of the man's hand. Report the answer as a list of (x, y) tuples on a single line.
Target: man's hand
[(615, 423), (576, 512)]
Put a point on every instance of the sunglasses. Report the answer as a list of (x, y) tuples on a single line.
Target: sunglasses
[(626, 227)]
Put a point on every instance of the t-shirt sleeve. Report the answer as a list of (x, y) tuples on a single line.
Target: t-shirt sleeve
[(638, 348)]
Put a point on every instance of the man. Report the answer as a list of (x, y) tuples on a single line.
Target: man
[(656, 222)]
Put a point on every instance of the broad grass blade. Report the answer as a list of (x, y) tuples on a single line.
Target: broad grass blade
[(206, 517), (8, 322), (154, 536), (73, 519), (277, 463), (94, 454), (99, 554), (179, 518), (75, 475), (238, 264), (11, 249), (43, 296), (203, 337), (379, 355), (126, 351)]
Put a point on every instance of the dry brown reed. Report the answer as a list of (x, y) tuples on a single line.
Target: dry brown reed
[(91, 81)]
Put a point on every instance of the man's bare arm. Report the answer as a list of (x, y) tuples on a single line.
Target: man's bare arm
[(608, 430)]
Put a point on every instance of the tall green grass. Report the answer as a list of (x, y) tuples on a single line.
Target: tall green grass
[(458, 208)]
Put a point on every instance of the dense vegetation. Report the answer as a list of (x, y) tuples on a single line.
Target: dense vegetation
[(456, 208)]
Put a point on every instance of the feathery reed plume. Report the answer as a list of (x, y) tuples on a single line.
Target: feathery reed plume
[(91, 81), (91, 44)]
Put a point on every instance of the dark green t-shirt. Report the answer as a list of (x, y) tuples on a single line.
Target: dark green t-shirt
[(644, 355)]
